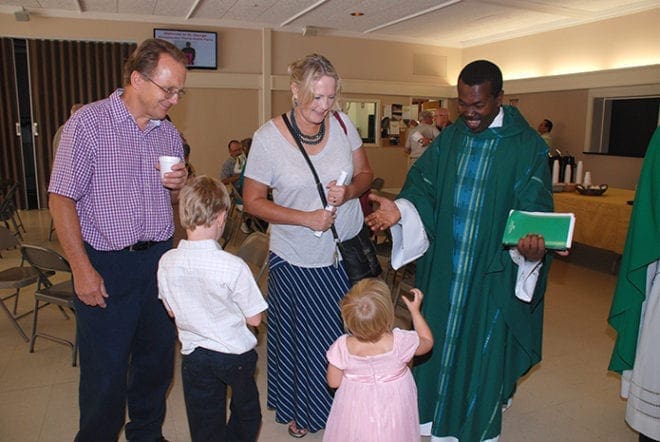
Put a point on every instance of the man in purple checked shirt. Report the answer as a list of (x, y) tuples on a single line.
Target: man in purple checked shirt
[(113, 215)]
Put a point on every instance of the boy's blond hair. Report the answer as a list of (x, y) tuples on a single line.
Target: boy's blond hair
[(201, 200), (367, 310)]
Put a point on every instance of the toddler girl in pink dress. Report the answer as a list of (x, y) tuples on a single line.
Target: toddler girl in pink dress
[(376, 398)]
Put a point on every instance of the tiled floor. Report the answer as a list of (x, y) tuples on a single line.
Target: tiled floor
[(570, 396)]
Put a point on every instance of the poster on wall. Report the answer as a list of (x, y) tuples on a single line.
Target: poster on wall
[(397, 112), (406, 113), (199, 47)]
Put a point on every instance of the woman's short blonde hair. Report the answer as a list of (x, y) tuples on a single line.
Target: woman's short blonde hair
[(307, 71), (367, 310), (201, 200)]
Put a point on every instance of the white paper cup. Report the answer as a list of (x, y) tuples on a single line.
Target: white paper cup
[(166, 163)]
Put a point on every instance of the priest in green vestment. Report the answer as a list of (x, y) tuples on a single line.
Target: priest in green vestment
[(487, 329), (635, 311)]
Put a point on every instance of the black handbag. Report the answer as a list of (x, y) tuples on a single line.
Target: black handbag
[(358, 253), (359, 256)]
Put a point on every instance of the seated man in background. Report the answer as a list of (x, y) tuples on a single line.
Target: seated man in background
[(544, 130), (231, 168)]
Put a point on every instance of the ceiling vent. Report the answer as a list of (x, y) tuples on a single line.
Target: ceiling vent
[(310, 31), (22, 15)]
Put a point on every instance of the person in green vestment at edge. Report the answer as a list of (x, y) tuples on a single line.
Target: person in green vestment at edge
[(484, 302), (635, 311)]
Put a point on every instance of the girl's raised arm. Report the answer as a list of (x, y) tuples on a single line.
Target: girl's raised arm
[(419, 323)]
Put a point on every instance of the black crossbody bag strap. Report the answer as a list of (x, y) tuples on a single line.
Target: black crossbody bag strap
[(319, 186)]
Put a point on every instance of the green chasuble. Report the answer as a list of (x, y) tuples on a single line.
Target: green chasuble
[(463, 187), (642, 248)]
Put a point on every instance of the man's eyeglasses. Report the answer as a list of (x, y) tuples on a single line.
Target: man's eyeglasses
[(168, 91)]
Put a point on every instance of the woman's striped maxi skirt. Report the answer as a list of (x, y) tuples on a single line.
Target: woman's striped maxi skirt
[(303, 321)]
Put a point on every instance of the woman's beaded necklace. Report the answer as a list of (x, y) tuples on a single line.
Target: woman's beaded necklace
[(307, 139)]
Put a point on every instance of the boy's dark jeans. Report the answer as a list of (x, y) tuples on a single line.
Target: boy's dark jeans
[(206, 375)]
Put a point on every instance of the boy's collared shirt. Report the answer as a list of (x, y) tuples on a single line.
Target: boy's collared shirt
[(210, 292)]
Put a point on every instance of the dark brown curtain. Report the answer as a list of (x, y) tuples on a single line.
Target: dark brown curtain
[(11, 164), (63, 73)]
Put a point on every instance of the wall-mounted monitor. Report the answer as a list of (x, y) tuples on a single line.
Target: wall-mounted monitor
[(200, 47)]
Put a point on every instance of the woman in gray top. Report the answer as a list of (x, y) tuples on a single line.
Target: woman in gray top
[(305, 283)]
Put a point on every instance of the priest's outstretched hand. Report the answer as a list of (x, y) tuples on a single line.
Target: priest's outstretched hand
[(385, 216)]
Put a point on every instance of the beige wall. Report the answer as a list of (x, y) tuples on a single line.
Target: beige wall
[(609, 44), (209, 118), (228, 103), (366, 59)]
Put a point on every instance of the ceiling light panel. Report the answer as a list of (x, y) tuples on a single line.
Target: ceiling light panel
[(212, 9), (66, 5), (163, 8), (448, 26), (335, 14), (255, 10), (138, 7)]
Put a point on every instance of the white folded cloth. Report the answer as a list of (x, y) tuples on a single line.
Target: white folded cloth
[(409, 240)]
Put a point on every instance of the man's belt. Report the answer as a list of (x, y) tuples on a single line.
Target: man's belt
[(141, 245)]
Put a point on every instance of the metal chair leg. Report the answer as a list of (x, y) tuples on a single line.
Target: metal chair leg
[(14, 322), (16, 301), (52, 229), (34, 325), (20, 220)]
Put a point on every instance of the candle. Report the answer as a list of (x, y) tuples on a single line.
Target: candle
[(578, 173), (567, 174), (587, 179), (555, 171)]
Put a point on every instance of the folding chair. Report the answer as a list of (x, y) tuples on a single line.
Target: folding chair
[(45, 260), (14, 278), (254, 251), (231, 226), (8, 212), (251, 221)]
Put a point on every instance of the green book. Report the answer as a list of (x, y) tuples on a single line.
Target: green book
[(556, 228)]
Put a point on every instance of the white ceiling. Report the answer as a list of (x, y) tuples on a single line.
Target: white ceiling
[(451, 23)]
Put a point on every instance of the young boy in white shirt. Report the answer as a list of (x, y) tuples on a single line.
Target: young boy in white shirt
[(212, 296)]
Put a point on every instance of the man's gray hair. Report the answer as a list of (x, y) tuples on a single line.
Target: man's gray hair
[(425, 114)]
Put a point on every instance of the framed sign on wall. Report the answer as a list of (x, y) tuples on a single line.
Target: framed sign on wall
[(200, 47)]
